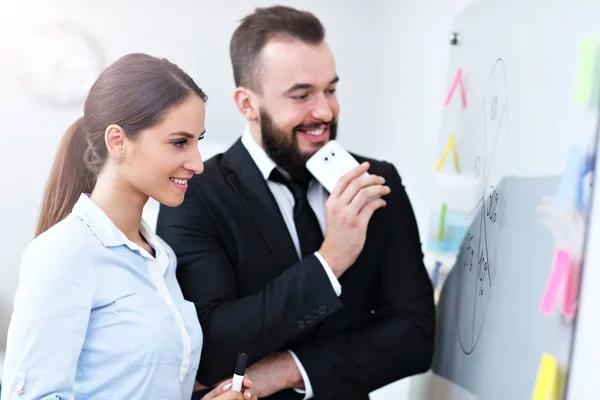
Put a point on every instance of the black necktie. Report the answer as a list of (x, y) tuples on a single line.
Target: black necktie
[(307, 224)]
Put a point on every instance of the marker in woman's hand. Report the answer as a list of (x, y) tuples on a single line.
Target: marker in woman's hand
[(240, 371)]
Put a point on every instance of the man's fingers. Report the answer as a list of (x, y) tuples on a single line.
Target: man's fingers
[(365, 195), (368, 210), (349, 177), (358, 185)]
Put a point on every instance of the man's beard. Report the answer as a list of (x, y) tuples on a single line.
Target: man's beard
[(284, 150)]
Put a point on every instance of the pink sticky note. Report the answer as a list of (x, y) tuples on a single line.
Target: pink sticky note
[(463, 93), (569, 299), (458, 82), (560, 269)]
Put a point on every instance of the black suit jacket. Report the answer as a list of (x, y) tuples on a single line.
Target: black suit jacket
[(238, 264)]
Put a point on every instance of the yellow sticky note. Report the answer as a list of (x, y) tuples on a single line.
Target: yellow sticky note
[(456, 163), (449, 147), (584, 92), (547, 386)]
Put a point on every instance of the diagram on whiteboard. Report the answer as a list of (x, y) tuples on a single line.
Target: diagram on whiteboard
[(477, 258)]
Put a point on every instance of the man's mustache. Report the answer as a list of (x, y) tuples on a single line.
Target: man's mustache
[(313, 125)]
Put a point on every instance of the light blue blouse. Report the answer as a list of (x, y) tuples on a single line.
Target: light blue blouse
[(97, 317)]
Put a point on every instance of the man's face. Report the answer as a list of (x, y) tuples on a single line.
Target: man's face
[(298, 107)]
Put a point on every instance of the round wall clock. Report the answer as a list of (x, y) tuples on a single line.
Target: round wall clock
[(59, 63)]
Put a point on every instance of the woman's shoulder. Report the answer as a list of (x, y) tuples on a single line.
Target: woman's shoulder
[(66, 248), (68, 234)]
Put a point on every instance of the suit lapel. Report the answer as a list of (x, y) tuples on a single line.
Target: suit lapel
[(247, 181)]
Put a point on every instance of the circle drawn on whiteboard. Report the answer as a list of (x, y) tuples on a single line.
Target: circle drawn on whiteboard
[(59, 64), (478, 256)]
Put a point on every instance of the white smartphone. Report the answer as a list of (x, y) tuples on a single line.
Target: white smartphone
[(330, 163)]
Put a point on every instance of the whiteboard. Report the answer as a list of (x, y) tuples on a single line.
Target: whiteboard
[(519, 63)]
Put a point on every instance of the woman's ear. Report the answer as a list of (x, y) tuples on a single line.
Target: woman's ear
[(114, 137)]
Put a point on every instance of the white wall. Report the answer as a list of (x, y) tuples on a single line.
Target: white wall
[(391, 57)]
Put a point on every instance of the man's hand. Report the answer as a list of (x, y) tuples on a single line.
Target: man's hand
[(348, 211), (274, 373)]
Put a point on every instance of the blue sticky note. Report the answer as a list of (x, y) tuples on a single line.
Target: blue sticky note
[(568, 193), (455, 229), (436, 274), (587, 167)]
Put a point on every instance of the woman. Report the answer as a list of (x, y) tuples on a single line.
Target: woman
[(98, 313)]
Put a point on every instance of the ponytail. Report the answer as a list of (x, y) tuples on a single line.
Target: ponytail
[(69, 178)]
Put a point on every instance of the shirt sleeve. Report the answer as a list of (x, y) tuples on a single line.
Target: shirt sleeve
[(308, 392), (49, 322), (337, 287)]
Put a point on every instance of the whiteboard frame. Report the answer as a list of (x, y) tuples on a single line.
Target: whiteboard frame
[(584, 366)]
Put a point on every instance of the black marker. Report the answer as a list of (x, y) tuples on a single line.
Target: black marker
[(240, 371)]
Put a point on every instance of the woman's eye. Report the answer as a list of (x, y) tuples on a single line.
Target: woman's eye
[(180, 143)]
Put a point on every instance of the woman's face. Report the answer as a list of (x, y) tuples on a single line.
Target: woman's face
[(163, 158)]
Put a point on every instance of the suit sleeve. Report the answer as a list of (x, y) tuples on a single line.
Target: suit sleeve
[(399, 340), (257, 324)]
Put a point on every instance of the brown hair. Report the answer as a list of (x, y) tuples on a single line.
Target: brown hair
[(258, 28), (134, 92)]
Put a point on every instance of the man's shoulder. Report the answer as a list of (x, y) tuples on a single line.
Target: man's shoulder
[(379, 167), (214, 164), (360, 158), (215, 168)]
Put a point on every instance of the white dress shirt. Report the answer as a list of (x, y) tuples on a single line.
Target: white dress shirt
[(317, 197), (97, 317)]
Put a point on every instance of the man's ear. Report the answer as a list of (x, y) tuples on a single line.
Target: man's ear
[(247, 103)]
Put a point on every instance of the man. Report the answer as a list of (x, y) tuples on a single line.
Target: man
[(327, 293)]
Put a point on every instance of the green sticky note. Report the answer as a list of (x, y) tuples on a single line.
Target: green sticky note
[(586, 72), (442, 222)]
